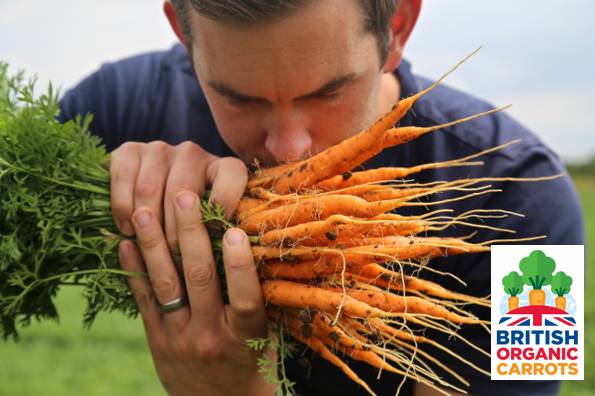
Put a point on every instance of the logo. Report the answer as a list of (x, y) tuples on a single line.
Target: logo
[(537, 327)]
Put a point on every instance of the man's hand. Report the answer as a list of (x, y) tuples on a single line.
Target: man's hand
[(200, 348), (152, 174)]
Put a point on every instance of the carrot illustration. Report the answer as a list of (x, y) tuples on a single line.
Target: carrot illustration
[(513, 285), (560, 286)]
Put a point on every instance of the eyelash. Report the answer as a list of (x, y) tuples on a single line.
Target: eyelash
[(239, 103), (329, 98), (324, 98)]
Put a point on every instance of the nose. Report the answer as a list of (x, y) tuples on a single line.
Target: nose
[(288, 139)]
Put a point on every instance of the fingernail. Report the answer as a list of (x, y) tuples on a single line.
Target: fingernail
[(127, 228), (186, 201), (124, 250), (143, 219), (234, 238)]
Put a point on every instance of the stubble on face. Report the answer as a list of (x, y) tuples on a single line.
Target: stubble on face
[(265, 83)]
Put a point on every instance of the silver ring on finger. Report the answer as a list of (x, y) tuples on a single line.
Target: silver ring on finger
[(173, 305)]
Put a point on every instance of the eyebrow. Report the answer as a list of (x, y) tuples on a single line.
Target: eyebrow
[(330, 86)]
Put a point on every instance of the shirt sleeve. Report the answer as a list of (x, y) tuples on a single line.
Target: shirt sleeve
[(127, 99)]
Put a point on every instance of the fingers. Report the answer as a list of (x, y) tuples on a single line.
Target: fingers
[(124, 166), (165, 280), (202, 281), (151, 178), (138, 173), (187, 173), (247, 311), (229, 177), (141, 288)]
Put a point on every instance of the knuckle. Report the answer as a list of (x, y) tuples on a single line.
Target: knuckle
[(234, 164), (146, 188), (123, 174), (128, 146), (167, 289), (189, 227), (159, 146), (145, 299), (149, 242), (210, 348), (224, 197), (239, 265), (189, 148), (200, 276), (178, 185), (122, 206), (247, 307)]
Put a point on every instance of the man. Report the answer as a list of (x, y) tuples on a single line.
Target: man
[(280, 80)]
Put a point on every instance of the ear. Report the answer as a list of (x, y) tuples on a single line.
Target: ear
[(172, 17), (400, 28)]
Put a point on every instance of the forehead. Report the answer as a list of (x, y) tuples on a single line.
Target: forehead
[(311, 45)]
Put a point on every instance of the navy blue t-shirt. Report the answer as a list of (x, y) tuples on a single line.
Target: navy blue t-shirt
[(156, 96)]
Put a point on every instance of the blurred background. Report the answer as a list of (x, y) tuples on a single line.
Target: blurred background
[(538, 55)]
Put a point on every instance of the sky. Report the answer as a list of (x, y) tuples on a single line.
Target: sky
[(538, 55)]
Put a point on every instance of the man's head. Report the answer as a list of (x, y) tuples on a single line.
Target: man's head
[(288, 78)]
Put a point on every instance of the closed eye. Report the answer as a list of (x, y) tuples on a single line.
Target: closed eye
[(328, 98), (241, 102)]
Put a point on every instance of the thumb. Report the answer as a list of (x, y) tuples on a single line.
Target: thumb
[(247, 310)]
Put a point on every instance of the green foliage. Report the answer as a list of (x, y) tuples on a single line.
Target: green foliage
[(56, 225), (586, 169), (54, 201), (513, 284), (561, 283), (586, 387), (537, 269), (275, 371)]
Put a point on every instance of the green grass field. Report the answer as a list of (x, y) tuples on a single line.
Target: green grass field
[(113, 358), (586, 187)]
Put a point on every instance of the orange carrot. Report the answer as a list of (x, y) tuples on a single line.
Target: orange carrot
[(317, 233), (397, 136), (388, 174), (410, 248), (393, 280), (249, 204), (406, 228), (310, 269), (285, 293), (392, 303)]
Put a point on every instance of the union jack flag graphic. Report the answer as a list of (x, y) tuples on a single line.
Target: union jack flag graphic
[(537, 315)]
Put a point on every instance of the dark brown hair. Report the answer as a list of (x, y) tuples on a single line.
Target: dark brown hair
[(377, 14)]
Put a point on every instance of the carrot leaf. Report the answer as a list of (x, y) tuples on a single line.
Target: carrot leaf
[(275, 371)]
